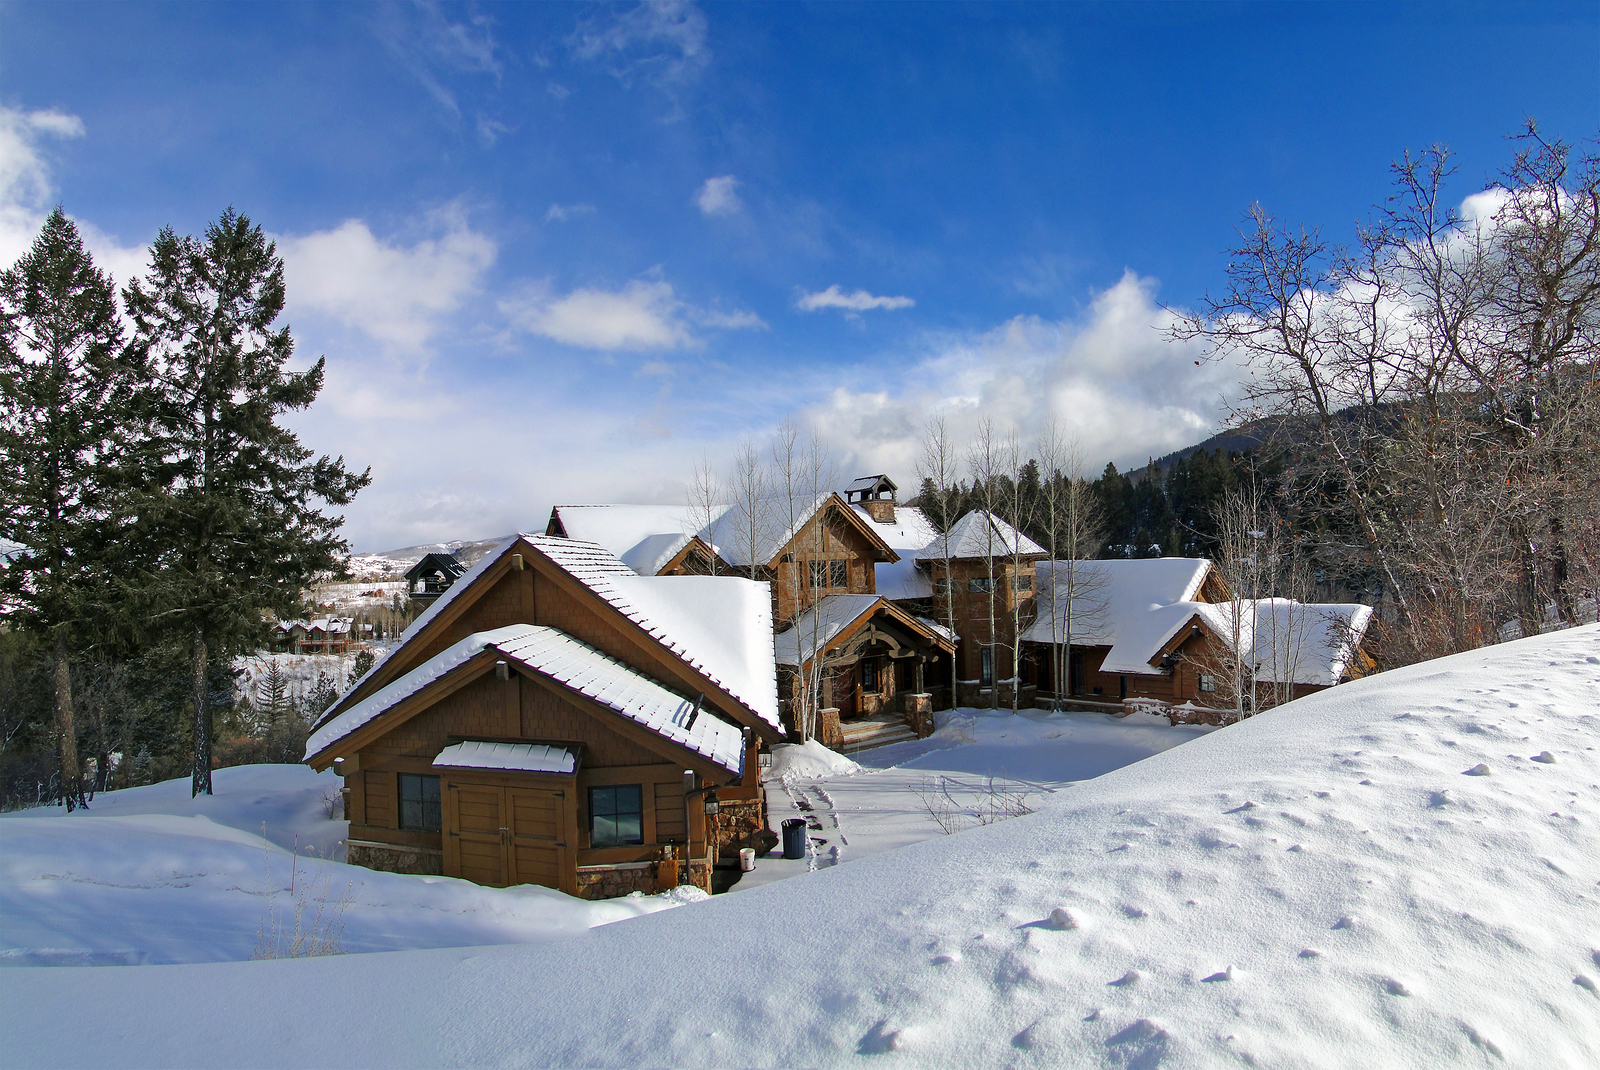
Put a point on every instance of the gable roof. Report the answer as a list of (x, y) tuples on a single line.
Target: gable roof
[(719, 625), (870, 485), (906, 534), (575, 665), (979, 534), (1118, 605), (1139, 607), (643, 537), (756, 532), (445, 563), (719, 628), (1291, 642), (837, 615)]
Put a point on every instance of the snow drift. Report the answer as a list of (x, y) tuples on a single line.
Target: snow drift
[(1323, 885)]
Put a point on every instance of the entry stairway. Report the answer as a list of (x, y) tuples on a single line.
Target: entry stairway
[(878, 731)]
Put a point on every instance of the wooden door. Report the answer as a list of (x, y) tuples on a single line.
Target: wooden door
[(475, 836), (537, 835)]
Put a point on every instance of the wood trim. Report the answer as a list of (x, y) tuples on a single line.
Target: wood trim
[(1179, 637), (833, 501), (408, 707)]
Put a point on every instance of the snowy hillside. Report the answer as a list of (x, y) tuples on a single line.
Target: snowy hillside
[(1398, 872)]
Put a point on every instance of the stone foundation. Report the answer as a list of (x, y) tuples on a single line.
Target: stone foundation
[(742, 824), (829, 732), (394, 858), (609, 882)]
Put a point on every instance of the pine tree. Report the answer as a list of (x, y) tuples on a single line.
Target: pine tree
[(233, 503), (62, 401)]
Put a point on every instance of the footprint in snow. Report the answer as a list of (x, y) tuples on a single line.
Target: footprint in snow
[(1345, 922), (1544, 757), (1247, 805), (1135, 912), (1478, 770), (1439, 798), (1131, 977), (1062, 918), (1395, 988), (880, 1039), (1220, 975), (1310, 953), (947, 960), (1585, 983)]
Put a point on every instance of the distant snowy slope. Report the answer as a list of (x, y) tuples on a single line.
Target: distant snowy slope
[(1325, 885)]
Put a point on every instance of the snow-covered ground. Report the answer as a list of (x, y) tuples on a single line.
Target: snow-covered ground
[(149, 875), (979, 767), (1397, 872)]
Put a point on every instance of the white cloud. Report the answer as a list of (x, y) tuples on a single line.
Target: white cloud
[(663, 42), (432, 47), (719, 196), (25, 183), (860, 301), (394, 293), (642, 315), (1112, 379), (560, 213)]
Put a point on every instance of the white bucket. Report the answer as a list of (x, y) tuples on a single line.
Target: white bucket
[(747, 859)]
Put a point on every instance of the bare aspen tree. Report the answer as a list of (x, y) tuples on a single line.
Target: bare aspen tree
[(802, 472), (747, 523), (706, 504), (1072, 529), (938, 467), (1015, 503), (986, 462)]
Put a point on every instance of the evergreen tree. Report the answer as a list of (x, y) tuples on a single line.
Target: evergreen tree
[(233, 502), (63, 397)]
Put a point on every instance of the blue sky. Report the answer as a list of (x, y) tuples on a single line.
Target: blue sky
[(559, 253)]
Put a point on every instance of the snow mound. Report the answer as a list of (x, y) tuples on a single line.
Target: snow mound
[(1283, 892), (808, 761)]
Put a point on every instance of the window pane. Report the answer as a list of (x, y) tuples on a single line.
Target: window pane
[(1022, 583), (986, 673), (819, 573), (841, 573), (419, 802), (615, 815)]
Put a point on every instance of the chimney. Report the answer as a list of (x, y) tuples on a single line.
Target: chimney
[(880, 509)]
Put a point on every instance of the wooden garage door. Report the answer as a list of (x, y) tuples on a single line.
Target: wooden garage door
[(537, 827), (479, 833), (499, 835)]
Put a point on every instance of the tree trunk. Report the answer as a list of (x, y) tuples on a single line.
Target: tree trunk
[(201, 782), (71, 781)]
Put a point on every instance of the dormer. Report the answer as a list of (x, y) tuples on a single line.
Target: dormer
[(875, 494)]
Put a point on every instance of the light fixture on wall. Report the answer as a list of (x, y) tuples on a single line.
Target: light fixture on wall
[(712, 806)]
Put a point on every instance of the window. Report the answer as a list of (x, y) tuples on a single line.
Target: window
[(616, 816), (869, 674), (986, 668), (419, 802), (1022, 583), (1208, 682), (825, 574), (941, 586), (980, 585)]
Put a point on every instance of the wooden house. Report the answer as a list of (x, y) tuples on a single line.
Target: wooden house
[(983, 569), (822, 556), (323, 635), (433, 576), (555, 718), (1162, 630)]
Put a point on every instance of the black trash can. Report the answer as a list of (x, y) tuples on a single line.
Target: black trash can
[(794, 837)]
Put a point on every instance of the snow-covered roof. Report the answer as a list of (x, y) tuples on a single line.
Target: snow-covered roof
[(576, 665), (1113, 601), (1138, 607), (908, 533), (753, 532), (814, 629), (520, 757), (331, 625), (939, 630), (1291, 642), (643, 537), (871, 483), (720, 625), (979, 534)]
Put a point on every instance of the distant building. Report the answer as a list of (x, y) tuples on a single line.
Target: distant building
[(433, 576), (324, 635)]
